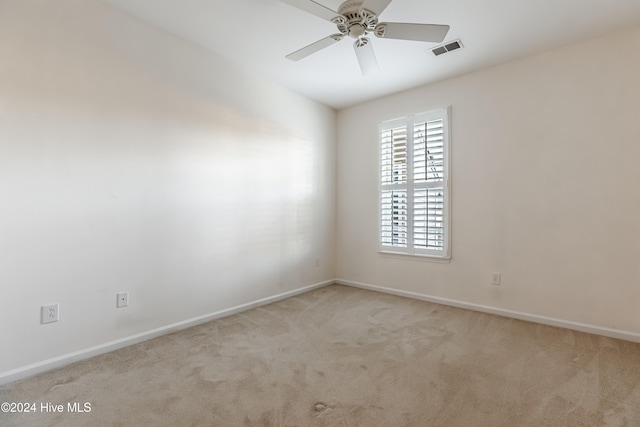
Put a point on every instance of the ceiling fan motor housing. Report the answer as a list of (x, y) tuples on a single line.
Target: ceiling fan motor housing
[(353, 21)]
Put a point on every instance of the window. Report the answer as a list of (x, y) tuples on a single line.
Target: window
[(414, 185)]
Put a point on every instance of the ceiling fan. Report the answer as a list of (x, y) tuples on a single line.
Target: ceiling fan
[(358, 18)]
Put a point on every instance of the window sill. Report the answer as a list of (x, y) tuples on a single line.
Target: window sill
[(417, 257)]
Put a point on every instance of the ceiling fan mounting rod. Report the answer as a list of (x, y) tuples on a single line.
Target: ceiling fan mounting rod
[(350, 7)]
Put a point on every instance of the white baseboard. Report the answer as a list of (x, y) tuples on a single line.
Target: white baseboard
[(66, 359), (576, 326), (57, 362)]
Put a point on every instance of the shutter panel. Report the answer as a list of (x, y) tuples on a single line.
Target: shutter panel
[(394, 155), (394, 218), (428, 151), (428, 218)]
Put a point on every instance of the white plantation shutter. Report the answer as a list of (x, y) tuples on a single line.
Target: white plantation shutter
[(414, 185)]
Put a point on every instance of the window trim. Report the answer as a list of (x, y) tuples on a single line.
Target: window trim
[(410, 251)]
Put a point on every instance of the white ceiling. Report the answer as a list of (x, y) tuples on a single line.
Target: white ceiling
[(257, 34)]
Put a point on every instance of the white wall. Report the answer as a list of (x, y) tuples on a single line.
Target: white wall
[(545, 186), (133, 161)]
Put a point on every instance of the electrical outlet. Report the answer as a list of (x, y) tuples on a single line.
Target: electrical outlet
[(496, 279), (317, 262), (122, 299), (49, 313)]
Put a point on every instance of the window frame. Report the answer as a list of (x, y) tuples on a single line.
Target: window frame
[(410, 186)]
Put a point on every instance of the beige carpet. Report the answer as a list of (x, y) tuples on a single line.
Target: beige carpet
[(339, 356)]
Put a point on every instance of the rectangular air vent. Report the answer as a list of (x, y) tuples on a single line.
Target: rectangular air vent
[(448, 47)]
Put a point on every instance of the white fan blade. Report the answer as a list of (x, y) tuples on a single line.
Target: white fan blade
[(375, 6), (313, 8), (314, 47), (418, 32), (366, 56)]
